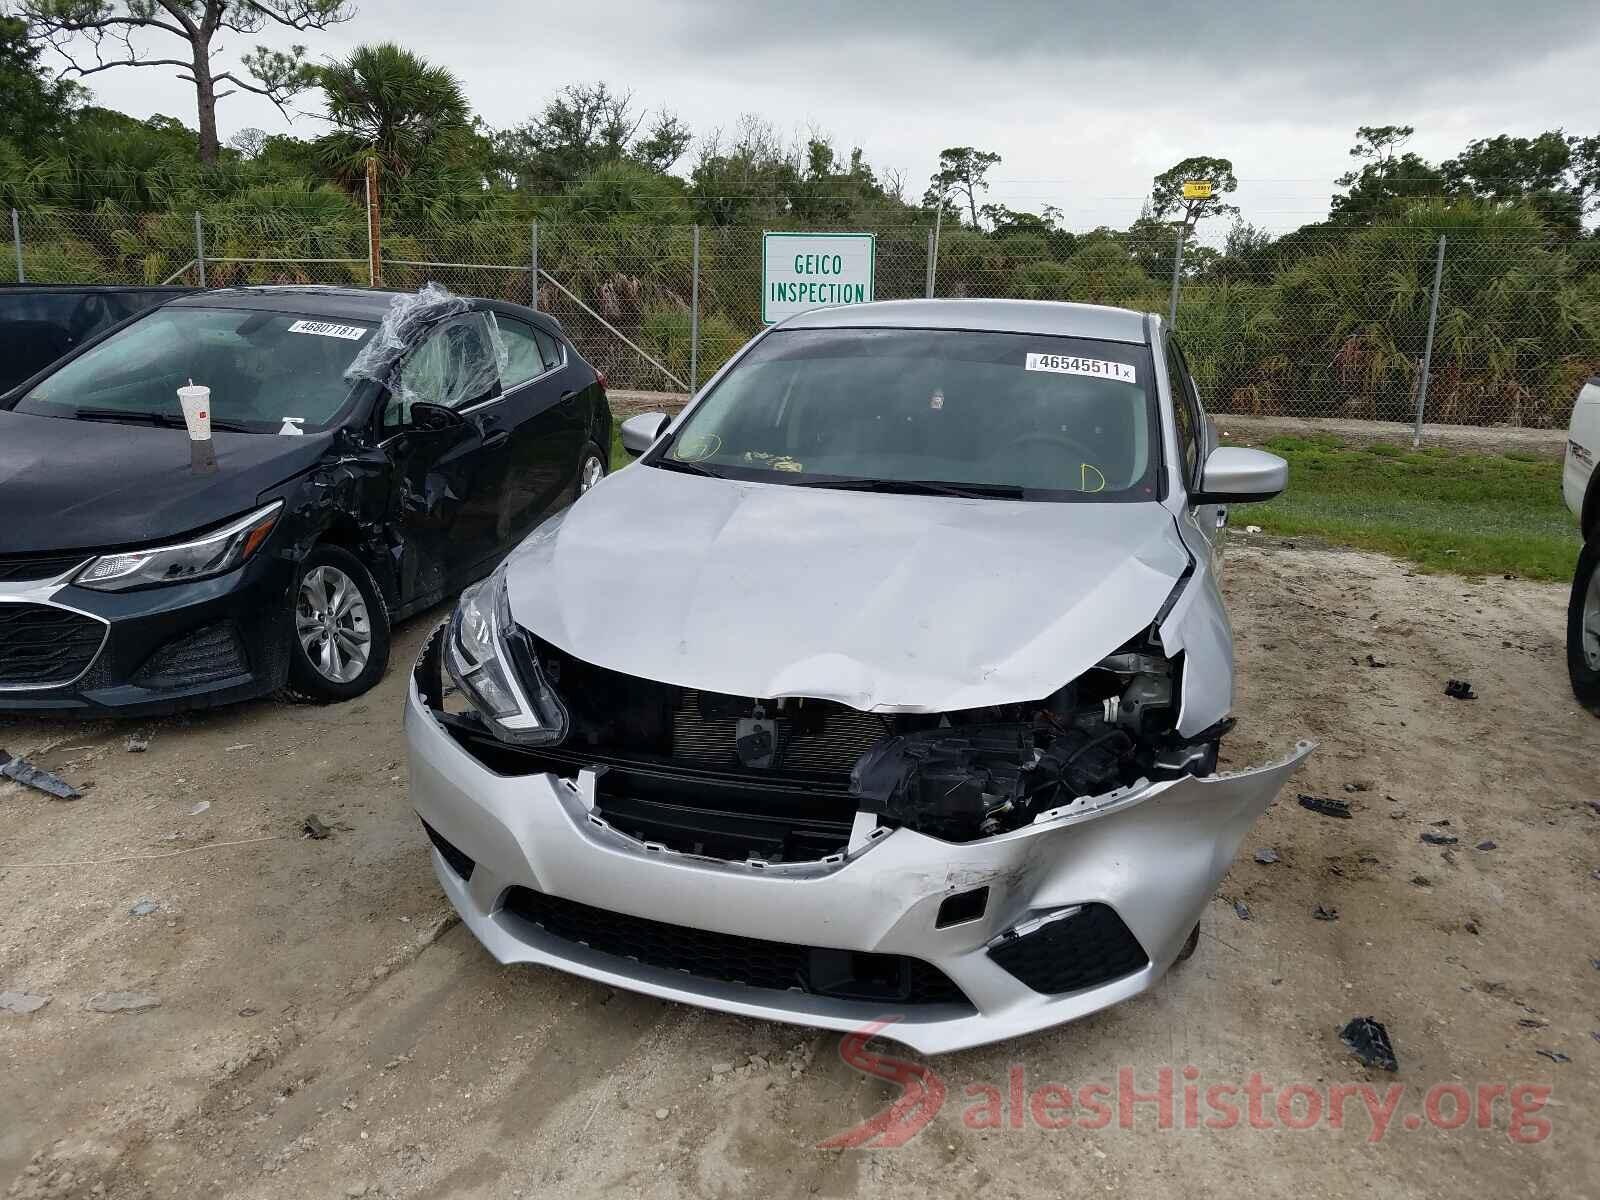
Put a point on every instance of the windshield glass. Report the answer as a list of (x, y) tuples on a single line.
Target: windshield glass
[(261, 367), (1029, 417)]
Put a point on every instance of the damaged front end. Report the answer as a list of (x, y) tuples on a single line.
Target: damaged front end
[(985, 872), (782, 780)]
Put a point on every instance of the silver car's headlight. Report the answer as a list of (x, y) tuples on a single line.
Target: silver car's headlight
[(212, 554), (493, 664)]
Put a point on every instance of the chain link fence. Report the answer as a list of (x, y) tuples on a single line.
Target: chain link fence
[(1309, 326)]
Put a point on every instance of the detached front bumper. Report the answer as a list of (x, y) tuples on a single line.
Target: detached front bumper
[(145, 652), (540, 878)]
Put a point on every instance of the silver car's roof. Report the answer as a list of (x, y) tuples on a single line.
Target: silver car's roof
[(1002, 316)]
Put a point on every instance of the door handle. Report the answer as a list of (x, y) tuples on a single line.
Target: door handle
[(499, 438), (567, 397)]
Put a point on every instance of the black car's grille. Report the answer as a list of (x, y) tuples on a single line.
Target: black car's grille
[(42, 645), (780, 966), (30, 567), (1076, 952)]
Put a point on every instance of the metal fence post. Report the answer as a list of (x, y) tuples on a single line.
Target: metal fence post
[(1427, 347), (694, 319), (533, 258), (200, 247), (927, 287), (1177, 269), (16, 240)]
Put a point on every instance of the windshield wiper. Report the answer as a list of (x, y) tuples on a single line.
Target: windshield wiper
[(688, 468), (920, 487), (137, 416)]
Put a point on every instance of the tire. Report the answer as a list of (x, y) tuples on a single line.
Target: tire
[(1189, 946), (360, 652), (591, 468), (1583, 627)]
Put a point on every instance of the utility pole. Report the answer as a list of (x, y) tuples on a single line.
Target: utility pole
[(1177, 269), (1427, 349), (374, 252)]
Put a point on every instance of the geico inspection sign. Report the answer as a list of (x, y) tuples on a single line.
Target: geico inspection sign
[(813, 270)]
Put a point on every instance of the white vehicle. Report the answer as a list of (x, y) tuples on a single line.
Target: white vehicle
[(1581, 485)]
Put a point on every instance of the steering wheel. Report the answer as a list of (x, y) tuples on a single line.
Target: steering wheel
[(1072, 447)]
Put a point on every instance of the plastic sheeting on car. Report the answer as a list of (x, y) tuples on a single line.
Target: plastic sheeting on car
[(433, 347)]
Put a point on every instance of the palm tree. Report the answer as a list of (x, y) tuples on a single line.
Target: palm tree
[(387, 102)]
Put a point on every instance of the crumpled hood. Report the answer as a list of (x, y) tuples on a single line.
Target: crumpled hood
[(83, 485), (880, 602)]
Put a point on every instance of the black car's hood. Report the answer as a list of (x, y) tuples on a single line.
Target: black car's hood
[(80, 485)]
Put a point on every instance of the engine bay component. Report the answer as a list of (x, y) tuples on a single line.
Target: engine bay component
[(1108, 729)]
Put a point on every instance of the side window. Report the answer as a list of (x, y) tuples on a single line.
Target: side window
[(524, 357), (1184, 412), (454, 366), (550, 350)]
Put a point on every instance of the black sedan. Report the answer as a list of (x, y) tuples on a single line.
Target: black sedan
[(374, 453)]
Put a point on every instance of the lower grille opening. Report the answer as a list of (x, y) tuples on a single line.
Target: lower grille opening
[(731, 958), (42, 645), (204, 655), (454, 858), (1084, 950)]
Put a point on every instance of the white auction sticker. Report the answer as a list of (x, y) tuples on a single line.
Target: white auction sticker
[(1071, 364), (352, 333)]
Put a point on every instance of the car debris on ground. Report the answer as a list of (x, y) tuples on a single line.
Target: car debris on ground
[(121, 1002), (318, 830), (137, 744), (1325, 805), (1325, 913), (1439, 839), (1369, 1041), (21, 1003), (1266, 855), (29, 775), (1554, 1056), (1460, 689)]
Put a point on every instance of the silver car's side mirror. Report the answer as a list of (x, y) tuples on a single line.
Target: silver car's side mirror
[(640, 432), (1238, 474)]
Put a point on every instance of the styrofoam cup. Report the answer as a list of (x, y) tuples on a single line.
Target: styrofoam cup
[(196, 401)]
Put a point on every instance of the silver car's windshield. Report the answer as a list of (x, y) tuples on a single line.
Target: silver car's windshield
[(1005, 414), (261, 367)]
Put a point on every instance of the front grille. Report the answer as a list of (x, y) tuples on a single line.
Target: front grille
[(779, 966), (1076, 952), (203, 655), (41, 645), (30, 568)]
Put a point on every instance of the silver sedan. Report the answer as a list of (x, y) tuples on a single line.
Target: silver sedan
[(890, 680)]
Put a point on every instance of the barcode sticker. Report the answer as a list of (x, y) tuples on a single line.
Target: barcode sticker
[(353, 333), (1072, 364)]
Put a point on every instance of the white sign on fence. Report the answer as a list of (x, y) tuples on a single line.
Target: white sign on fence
[(800, 271)]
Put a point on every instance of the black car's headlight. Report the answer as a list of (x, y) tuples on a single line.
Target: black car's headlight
[(212, 554), (492, 662)]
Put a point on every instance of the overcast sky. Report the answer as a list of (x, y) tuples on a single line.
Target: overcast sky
[(1084, 102)]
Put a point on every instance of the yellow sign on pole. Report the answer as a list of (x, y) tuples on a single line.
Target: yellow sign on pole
[(1197, 189)]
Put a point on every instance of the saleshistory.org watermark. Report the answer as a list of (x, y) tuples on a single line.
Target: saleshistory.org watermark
[(1179, 1098)]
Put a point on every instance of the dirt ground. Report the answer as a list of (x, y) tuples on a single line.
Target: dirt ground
[(325, 1029)]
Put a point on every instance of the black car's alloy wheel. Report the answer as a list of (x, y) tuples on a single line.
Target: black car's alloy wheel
[(1583, 627), (593, 469), (340, 628)]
